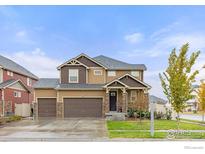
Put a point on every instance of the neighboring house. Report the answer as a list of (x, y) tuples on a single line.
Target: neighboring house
[(192, 104), (91, 87), (15, 87), (160, 105)]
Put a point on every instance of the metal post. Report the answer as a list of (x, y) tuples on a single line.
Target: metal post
[(152, 119)]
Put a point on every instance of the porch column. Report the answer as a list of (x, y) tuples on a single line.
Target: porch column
[(59, 107), (107, 106), (124, 101)]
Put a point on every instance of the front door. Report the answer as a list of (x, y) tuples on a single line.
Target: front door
[(113, 100)]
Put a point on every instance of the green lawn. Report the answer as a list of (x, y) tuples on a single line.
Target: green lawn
[(145, 125), (134, 129)]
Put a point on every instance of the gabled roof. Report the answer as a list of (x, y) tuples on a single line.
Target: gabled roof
[(82, 54), (115, 81), (46, 83), (74, 60), (14, 67), (11, 82), (114, 64), (143, 83)]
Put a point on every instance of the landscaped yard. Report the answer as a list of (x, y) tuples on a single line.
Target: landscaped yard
[(137, 129)]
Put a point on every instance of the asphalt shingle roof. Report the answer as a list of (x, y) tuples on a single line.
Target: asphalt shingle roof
[(11, 65), (54, 83), (6, 83), (46, 83), (80, 86), (114, 64)]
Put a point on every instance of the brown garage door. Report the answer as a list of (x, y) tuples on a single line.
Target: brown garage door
[(82, 107), (47, 107)]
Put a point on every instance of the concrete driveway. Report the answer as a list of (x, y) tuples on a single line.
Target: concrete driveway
[(75, 129)]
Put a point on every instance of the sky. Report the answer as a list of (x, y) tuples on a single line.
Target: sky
[(42, 37)]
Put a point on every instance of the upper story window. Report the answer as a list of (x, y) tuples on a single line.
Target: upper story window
[(97, 72), (29, 82), (9, 73), (111, 73), (135, 74), (73, 75), (17, 94)]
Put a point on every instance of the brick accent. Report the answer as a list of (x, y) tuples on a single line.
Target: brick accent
[(124, 102), (107, 106), (59, 110), (35, 110)]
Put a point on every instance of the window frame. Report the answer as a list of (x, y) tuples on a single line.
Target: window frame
[(109, 75), (9, 73), (29, 81), (101, 72), (73, 76), (135, 72), (17, 94)]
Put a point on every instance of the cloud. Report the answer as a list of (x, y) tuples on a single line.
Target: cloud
[(134, 38), (23, 37), (159, 45), (21, 33), (37, 62)]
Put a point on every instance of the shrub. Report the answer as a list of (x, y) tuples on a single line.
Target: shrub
[(168, 114), (194, 111), (130, 112), (13, 118), (159, 115)]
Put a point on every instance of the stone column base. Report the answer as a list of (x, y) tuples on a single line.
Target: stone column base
[(59, 110)]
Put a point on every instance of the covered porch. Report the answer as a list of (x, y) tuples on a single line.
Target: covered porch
[(126, 92)]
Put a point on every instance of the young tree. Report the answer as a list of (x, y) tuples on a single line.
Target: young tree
[(178, 78), (201, 98)]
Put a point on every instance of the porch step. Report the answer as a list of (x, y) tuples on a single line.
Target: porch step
[(115, 116)]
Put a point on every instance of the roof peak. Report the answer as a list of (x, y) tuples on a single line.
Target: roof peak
[(11, 65)]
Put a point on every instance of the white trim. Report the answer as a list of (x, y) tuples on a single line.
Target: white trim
[(16, 82), (70, 76), (109, 71), (138, 73), (82, 54), (100, 70), (145, 84), (73, 59), (115, 81), (60, 76)]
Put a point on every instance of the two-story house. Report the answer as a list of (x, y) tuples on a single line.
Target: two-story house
[(15, 86), (91, 87)]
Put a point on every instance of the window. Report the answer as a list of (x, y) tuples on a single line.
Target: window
[(111, 73), (29, 82), (17, 94), (9, 73), (97, 72), (73, 75), (135, 74)]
